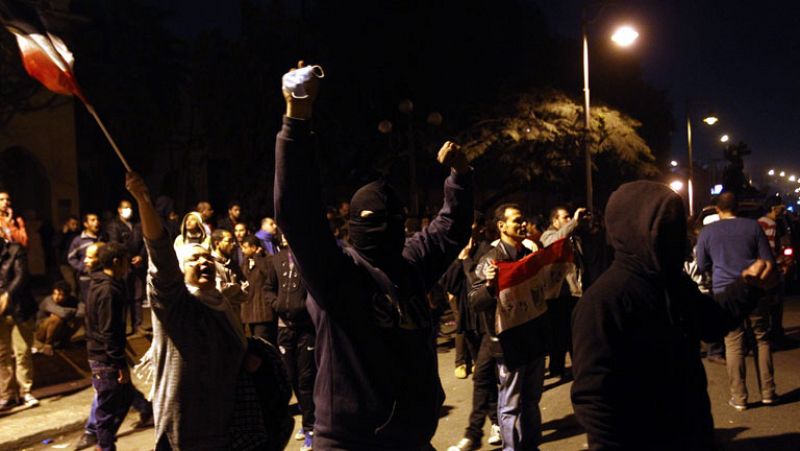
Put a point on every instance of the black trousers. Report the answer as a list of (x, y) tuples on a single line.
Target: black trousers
[(560, 332), (484, 386), (267, 331), (297, 351)]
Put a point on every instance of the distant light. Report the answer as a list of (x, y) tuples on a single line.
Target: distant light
[(716, 190), (673, 163), (792, 178), (782, 174), (771, 172), (625, 36), (724, 138), (711, 120), (788, 252), (797, 190), (676, 186)]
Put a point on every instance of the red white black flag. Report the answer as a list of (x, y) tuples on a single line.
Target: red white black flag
[(44, 55), (524, 285)]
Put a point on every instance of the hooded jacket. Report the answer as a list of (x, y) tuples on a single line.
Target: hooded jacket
[(181, 241), (639, 382), (105, 320), (377, 385)]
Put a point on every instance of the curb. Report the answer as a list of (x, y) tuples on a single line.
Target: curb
[(43, 434)]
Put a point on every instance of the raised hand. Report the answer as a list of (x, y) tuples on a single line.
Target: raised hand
[(451, 155), (301, 108)]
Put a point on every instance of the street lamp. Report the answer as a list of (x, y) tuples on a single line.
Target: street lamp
[(771, 172), (724, 138), (676, 185), (673, 163), (624, 36), (709, 120)]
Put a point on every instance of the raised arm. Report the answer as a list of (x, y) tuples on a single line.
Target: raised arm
[(165, 277), (298, 208), (437, 246)]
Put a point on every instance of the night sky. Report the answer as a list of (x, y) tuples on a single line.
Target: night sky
[(739, 60)]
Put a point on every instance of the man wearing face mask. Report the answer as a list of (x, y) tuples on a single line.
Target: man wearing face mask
[(124, 231), (639, 382), (377, 384)]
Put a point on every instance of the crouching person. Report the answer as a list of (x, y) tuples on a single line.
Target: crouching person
[(212, 390)]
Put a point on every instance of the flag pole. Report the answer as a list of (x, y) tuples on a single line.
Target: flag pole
[(108, 135)]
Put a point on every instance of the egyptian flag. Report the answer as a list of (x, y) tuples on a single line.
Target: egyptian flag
[(524, 285), (44, 55)]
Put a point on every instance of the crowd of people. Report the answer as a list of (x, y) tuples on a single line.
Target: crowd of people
[(342, 307)]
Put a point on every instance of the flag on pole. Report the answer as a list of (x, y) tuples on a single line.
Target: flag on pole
[(524, 285), (45, 56)]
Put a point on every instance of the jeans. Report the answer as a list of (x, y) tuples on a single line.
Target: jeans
[(297, 353), (518, 397), (484, 387), (758, 323), (112, 403), (16, 375)]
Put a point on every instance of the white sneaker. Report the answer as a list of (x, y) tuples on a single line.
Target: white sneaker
[(494, 438), (299, 435), (30, 401), (465, 444)]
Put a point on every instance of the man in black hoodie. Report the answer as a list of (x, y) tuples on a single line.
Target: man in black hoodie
[(377, 383), (105, 344), (639, 382)]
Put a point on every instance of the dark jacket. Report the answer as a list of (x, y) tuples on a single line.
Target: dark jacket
[(130, 237), (226, 223), (257, 307), (288, 291), (14, 281), (378, 385), (639, 382), (521, 344), (105, 320)]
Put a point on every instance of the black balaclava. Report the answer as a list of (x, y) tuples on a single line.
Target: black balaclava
[(379, 237)]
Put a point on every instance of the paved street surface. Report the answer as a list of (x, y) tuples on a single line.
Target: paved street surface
[(759, 428)]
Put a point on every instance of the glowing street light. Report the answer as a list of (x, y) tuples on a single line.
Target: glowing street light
[(673, 163), (792, 178), (711, 120), (625, 36), (676, 186), (782, 174), (771, 172), (724, 138)]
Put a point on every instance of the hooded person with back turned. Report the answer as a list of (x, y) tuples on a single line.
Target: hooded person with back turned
[(639, 382)]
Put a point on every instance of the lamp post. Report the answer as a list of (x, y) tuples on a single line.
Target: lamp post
[(624, 37), (709, 120)]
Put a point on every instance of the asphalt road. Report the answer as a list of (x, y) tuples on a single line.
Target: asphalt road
[(775, 428)]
